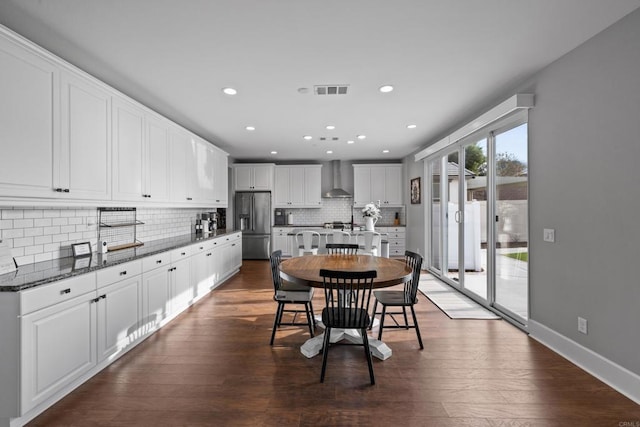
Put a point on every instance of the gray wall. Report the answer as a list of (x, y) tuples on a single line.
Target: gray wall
[(584, 153)]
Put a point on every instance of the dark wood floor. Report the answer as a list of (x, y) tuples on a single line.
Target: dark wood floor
[(213, 366)]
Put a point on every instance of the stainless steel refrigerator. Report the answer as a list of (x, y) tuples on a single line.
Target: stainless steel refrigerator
[(253, 218)]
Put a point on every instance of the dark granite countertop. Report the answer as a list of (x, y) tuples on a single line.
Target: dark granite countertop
[(40, 273)]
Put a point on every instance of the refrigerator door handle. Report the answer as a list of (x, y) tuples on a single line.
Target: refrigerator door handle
[(253, 211)]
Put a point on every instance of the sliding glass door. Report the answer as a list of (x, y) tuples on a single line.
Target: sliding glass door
[(477, 211)]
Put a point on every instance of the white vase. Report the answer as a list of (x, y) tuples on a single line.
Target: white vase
[(369, 223)]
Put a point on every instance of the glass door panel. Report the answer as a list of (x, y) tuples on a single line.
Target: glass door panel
[(452, 219), (511, 227), (475, 218), (435, 250)]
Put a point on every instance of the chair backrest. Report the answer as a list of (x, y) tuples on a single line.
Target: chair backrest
[(347, 296), (305, 238), (414, 261), (275, 259), (342, 248), (338, 236), (371, 241)]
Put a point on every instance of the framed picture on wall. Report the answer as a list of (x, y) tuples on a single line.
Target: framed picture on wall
[(415, 191)]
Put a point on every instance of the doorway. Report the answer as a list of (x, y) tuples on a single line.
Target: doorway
[(478, 217)]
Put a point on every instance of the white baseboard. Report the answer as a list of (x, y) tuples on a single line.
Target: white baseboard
[(612, 374)]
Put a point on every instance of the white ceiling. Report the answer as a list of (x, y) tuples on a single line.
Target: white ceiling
[(446, 58)]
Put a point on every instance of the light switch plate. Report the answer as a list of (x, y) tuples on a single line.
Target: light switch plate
[(549, 235)]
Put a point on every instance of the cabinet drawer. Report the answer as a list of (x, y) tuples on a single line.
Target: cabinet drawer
[(56, 292), (156, 261), (202, 246), (180, 253), (119, 272), (395, 230), (396, 235)]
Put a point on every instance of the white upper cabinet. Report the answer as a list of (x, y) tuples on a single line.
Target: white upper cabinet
[(377, 183), (29, 97), (156, 169), (220, 178), (298, 186), (313, 186), (180, 146), (70, 138), (128, 150), (253, 177), (85, 143)]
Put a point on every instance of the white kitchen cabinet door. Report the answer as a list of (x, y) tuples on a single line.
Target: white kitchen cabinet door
[(58, 346), (181, 287), (361, 185), (29, 120), (85, 143), (156, 297), (220, 179), (203, 172), (282, 241), (263, 177), (313, 186), (253, 177), (180, 145), (156, 160), (281, 194), (378, 177), (119, 316), (202, 273), (128, 150), (393, 185)]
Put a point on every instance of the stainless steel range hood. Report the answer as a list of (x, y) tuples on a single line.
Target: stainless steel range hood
[(336, 192)]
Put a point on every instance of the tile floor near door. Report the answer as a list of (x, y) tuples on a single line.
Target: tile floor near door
[(213, 366)]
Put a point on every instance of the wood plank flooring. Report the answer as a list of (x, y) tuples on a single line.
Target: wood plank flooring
[(213, 366)]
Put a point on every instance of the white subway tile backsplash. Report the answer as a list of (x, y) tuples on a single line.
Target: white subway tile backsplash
[(42, 234), (44, 222), (12, 233), (12, 214)]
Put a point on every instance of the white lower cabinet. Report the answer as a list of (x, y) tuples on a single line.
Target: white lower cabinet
[(55, 336), (58, 346), (282, 241), (119, 315), (156, 291)]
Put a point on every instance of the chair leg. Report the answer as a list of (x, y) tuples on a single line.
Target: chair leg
[(406, 321), (313, 317), (375, 306), (381, 325), (367, 352), (276, 321), (309, 322), (325, 352), (415, 322)]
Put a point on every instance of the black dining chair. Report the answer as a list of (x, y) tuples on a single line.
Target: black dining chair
[(289, 293), (405, 298), (347, 296), (342, 248)]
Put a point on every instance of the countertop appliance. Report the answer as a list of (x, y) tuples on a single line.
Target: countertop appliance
[(253, 218), (279, 217)]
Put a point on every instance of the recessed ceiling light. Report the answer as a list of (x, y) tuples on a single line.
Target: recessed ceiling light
[(385, 151), (411, 126), (303, 90), (330, 127), (229, 91), (307, 137), (386, 88), (250, 128), (329, 152), (350, 142), (274, 152), (361, 136)]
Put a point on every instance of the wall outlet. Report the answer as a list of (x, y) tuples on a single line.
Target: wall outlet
[(582, 325), (549, 235)]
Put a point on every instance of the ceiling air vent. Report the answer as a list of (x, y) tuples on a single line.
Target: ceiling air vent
[(331, 89)]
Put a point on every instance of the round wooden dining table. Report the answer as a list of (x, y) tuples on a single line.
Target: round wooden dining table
[(305, 270)]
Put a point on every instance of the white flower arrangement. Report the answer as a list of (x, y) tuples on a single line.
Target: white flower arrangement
[(371, 210)]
